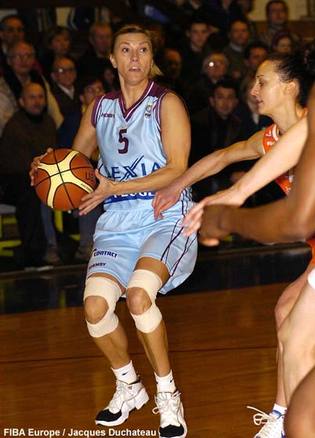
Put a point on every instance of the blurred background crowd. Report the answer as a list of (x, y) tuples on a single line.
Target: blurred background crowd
[(208, 52)]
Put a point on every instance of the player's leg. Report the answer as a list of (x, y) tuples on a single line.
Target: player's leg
[(297, 337), (102, 292), (149, 276), (273, 422), (300, 418)]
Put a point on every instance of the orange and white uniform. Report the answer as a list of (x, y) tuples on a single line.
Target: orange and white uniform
[(285, 181)]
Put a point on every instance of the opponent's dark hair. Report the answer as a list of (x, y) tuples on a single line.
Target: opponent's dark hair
[(299, 66)]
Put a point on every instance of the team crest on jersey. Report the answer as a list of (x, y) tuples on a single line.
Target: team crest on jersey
[(148, 110)]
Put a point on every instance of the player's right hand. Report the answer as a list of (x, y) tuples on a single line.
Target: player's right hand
[(35, 163), (164, 199)]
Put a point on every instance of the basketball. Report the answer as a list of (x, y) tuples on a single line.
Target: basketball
[(63, 177)]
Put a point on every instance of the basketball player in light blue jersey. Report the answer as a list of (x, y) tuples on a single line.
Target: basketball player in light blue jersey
[(143, 135)]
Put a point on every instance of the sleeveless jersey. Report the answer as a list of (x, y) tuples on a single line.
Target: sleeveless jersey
[(130, 143), (285, 181), (270, 137)]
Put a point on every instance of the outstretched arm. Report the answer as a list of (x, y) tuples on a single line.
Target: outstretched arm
[(292, 218), (209, 165)]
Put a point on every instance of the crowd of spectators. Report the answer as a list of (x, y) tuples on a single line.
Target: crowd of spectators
[(208, 52)]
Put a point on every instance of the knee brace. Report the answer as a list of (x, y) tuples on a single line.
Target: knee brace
[(311, 278), (147, 321), (110, 291)]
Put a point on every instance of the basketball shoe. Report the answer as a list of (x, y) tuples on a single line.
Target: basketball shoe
[(171, 410), (126, 398), (272, 424)]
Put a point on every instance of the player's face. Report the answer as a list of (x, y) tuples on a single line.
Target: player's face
[(33, 100), (269, 90), (132, 57)]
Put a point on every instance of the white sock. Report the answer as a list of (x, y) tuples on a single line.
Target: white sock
[(278, 408), (126, 374), (165, 383)]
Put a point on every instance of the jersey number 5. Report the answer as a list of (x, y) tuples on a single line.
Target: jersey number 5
[(123, 140)]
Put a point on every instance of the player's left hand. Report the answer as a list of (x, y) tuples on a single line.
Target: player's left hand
[(92, 200)]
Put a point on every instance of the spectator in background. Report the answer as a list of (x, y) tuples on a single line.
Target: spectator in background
[(57, 44), (214, 69), (27, 134), (171, 67), (194, 49), (246, 7), (254, 54), (11, 31), (96, 57), (277, 16), (63, 85), (89, 88), (283, 42), (19, 72), (110, 79), (213, 128), (239, 39)]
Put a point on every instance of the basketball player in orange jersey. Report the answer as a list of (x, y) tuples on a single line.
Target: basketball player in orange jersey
[(292, 218), (143, 135), (280, 89)]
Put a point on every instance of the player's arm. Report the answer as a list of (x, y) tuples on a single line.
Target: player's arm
[(209, 165), (292, 218), (175, 132), (284, 155), (85, 140)]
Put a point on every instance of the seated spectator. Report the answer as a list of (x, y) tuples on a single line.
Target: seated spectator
[(28, 133), (283, 42), (216, 127), (247, 7), (21, 57), (194, 49), (96, 57), (171, 66), (57, 45), (110, 79), (254, 54), (277, 16), (214, 69), (63, 85), (11, 31), (238, 41), (89, 89)]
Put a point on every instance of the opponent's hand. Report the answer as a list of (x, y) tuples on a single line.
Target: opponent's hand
[(230, 196), (192, 220), (165, 198), (92, 200), (35, 163), (211, 230)]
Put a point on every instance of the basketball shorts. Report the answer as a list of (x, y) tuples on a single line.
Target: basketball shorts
[(121, 238)]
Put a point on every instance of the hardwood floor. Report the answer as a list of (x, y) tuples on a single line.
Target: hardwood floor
[(222, 348)]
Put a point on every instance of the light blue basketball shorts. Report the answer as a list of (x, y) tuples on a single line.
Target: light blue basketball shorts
[(122, 237)]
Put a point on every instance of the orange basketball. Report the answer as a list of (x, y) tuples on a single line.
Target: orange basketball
[(64, 176)]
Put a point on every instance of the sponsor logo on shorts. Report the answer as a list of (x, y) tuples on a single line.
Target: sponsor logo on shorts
[(97, 265), (99, 252)]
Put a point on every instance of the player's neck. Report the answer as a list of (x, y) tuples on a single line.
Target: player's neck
[(132, 92), (287, 117)]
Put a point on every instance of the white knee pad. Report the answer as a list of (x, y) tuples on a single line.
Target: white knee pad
[(148, 321), (311, 278), (110, 291)]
